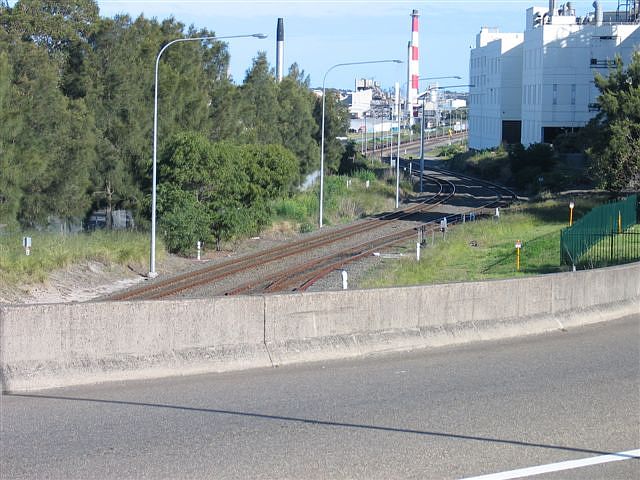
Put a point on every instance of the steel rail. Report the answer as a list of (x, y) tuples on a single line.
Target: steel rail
[(292, 280), (282, 280), (188, 280), (317, 268)]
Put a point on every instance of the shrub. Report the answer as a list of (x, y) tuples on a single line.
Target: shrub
[(364, 175)]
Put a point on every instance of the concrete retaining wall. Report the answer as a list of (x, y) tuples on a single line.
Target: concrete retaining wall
[(45, 346)]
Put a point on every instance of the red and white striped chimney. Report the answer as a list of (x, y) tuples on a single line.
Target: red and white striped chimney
[(414, 64)]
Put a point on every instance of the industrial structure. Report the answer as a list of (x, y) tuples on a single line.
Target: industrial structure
[(279, 50), (529, 87), (373, 110), (413, 67)]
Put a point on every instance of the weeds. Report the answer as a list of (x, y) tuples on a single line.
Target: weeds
[(484, 249), (51, 252)]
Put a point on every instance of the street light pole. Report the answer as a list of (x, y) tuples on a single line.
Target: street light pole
[(324, 79), (397, 110), (152, 259)]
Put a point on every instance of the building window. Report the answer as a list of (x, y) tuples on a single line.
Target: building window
[(573, 94), (555, 94)]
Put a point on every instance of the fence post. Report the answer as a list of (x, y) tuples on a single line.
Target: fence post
[(611, 249)]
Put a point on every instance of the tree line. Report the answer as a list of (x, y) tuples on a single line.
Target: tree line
[(76, 120)]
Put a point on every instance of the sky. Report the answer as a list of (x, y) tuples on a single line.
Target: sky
[(322, 33)]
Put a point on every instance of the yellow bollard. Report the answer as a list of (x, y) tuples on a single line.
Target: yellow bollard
[(571, 205), (619, 221), (518, 247)]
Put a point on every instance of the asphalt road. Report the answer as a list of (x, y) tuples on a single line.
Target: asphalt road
[(443, 413)]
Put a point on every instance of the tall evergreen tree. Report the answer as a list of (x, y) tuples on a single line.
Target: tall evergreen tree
[(296, 123), (259, 103), (12, 175)]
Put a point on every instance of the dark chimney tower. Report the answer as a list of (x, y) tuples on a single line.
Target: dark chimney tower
[(279, 49)]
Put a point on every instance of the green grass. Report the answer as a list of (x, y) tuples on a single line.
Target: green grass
[(455, 259), (345, 198), (625, 249), (52, 251)]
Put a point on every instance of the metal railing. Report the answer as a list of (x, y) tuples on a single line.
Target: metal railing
[(602, 237)]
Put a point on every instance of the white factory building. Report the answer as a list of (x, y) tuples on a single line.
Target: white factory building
[(530, 86)]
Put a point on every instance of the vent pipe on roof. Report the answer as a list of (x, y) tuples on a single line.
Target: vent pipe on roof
[(552, 8), (599, 13)]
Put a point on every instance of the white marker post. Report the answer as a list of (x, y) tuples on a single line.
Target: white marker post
[(26, 243), (344, 279), (199, 244), (418, 251)]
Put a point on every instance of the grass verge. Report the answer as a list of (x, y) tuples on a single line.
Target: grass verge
[(485, 249), (51, 252)]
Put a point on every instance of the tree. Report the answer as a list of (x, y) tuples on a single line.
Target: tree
[(12, 177), (76, 121), (40, 146), (615, 146), (529, 164), (75, 157), (352, 159), (336, 121), (53, 24), (183, 220), (64, 29), (259, 104), (296, 123), (47, 129), (227, 187)]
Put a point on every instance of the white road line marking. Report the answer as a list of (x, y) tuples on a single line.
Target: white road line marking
[(557, 467)]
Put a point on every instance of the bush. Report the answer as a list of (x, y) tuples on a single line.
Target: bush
[(290, 208), (306, 227), (450, 150), (182, 220), (364, 175)]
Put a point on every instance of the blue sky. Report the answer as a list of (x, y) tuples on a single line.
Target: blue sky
[(321, 33)]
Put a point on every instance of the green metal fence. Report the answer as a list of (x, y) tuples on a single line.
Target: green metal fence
[(602, 236)]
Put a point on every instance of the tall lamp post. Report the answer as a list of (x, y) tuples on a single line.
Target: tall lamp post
[(322, 132), (152, 261)]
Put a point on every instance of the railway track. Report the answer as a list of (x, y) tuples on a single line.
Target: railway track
[(298, 265), (307, 274)]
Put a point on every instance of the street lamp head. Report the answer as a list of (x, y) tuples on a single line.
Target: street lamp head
[(261, 36)]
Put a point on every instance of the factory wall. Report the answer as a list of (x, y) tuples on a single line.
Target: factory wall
[(546, 76)]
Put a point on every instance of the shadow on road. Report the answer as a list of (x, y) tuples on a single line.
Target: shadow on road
[(323, 423)]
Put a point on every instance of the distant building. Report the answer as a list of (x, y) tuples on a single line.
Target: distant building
[(359, 102), (531, 86), (370, 107)]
